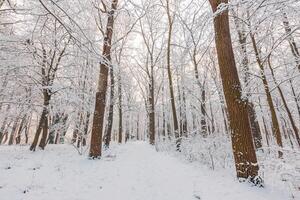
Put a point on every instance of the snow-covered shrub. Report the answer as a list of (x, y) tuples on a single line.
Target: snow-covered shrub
[(213, 151)]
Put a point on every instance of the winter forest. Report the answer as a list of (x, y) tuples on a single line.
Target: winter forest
[(149, 99)]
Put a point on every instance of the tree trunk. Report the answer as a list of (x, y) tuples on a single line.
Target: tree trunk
[(110, 119), (4, 123), (27, 128), (295, 129), (45, 126), (291, 40), (98, 118), (80, 133), (75, 134), (295, 97), (86, 128), (275, 123), (120, 133), (203, 113), (242, 142), (21, 127), (13, 132), (55, 122), (172, 97), (245, 68), (151, 110), (41, 124)]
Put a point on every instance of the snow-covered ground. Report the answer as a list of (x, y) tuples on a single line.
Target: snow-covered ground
[(134, 171)]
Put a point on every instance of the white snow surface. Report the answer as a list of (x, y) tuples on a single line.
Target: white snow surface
[(134, 171)]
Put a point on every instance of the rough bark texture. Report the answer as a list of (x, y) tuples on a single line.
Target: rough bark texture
[(243, 147), (245, 68), (98, 118)]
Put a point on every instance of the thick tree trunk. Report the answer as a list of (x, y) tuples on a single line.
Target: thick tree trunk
[(45, 126), (41, 124), (98, 118), (242, 142)]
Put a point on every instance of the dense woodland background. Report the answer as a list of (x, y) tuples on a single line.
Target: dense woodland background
[(150, 70)]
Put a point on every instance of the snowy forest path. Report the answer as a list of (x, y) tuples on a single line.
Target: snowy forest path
[(134, 171)]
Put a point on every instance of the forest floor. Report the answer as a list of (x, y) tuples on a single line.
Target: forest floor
[(134, 171)]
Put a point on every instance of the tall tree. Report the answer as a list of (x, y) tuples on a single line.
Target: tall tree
[(98, 118), (275, 122), (242, 143), (110, 118), (171, 17)]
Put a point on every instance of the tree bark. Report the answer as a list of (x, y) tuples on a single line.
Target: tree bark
[(20, 130), (172, 96), (45, 123), (295, 129), (98, 118), (110, 119), (275, 123), (245, 68), (41, 124), (152, 109), (291, 40), (242, 142), (13, 132)]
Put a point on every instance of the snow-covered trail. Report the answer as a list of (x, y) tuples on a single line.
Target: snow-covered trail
[(134, 171)]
